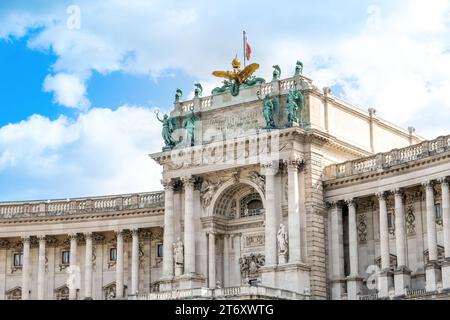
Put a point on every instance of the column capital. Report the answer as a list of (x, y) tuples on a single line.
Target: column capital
[(188, 181), (72, 236), (332, 204), (42, 237), (444, 181), (26, 239), (428, 185), (398, 192), (119, 232), (226, 236), (168, 184), (294, 164), (381, 195), (135, 232), (350, 202), (88, 235)]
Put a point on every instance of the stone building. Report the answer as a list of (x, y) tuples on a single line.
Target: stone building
[(271, 190)]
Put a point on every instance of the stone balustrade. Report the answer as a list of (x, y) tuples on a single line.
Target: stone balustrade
[(217, 100), (389, 159), (50, 208), (223, 293)]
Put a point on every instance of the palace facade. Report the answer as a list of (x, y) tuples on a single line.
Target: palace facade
[(277, 191)]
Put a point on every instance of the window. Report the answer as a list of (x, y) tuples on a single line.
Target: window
[(438, 211), (65, 257), (113, 254), (159, 250), (18, 259)]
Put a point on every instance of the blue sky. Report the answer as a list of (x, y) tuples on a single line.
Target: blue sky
[(76, 112)]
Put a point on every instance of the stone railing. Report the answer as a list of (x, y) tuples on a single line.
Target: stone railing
[(50, 208), (224, 293), (415, 293), (389, 159), (369, 297), (272, 88)]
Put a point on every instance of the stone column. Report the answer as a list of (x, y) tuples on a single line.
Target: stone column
[(237, 256), (354, 281), (385, 277), (88, 267), (41, 269), (119, 265), (212, 259), (169, 231), (402, 276), (271, 218), (446, 227), (337, 252), (189, 227), (294, 213), (226, 260), (135, 262), (26, 269), (74, 268), (432, 272)]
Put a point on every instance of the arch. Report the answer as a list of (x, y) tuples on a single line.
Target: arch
[(230, 184)]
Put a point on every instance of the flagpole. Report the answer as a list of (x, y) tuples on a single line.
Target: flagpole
[(245, 49)]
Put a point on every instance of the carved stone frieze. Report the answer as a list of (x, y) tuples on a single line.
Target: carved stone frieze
[(250, 265)]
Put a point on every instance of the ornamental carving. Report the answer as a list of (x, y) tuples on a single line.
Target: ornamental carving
[(258, 179), (250, 265), (207, 191), (254, 240), (410, 221), (362, 228)]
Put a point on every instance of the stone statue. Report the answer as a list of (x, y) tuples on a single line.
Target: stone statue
[(269, 108), (189, 125), (298, 68), (207, 192), (276, 72), (178, 95), (292, 108), (282, 239), (222, 89), (198, 90), (169, 126), (178, 251)]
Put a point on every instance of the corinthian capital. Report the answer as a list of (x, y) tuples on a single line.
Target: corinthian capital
[(381, 196), (188, 181), (351, 202), (168, 184), (444, 181), (428, 185)]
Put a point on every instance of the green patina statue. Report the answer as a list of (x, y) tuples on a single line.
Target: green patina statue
[(198, 90), (276, 72), (178, 95), (294, 106), (169, 125), (270, 106), (253, 81), (189, 125), (298, 68)]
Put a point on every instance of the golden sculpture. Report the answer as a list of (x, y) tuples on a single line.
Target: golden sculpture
[(237, 75)]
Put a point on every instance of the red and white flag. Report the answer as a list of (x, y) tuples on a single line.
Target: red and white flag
[(248, 51), (247, 48)]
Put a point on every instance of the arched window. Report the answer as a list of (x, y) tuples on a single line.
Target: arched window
[(251, 205)]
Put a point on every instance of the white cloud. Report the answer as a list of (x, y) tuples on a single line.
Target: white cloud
[(68, 90), (101, 152)]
